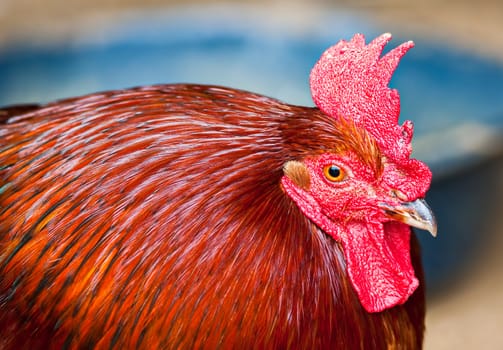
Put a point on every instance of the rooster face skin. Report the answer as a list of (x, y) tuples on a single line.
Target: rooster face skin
[(351, 194)]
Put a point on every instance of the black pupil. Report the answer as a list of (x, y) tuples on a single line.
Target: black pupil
[(334, 171)]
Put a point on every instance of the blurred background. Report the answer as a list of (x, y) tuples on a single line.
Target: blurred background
[(451, 86)]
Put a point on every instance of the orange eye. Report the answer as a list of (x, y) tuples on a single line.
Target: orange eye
[(334, 173)]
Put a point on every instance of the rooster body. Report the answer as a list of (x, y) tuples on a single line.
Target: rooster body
[(162, 217)]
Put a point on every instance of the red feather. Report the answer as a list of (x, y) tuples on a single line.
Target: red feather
[(154, 218)]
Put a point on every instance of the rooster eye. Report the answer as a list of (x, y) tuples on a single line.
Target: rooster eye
[(334, 173)]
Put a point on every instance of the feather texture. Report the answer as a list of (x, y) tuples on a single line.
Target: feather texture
[(154, 218)]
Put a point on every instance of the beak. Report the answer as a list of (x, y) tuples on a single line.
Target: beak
[(417, 214)]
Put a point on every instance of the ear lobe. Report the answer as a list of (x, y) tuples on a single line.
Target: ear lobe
[(297, 172)]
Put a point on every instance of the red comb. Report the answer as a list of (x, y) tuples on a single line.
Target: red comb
[(351, 80)]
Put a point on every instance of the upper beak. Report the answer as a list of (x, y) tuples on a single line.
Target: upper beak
[(417, 214)]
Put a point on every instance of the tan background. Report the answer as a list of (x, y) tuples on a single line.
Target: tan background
[(471, 317), (477, 25)]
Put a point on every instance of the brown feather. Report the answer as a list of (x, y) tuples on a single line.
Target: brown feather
[(154, 218), (11, 111)]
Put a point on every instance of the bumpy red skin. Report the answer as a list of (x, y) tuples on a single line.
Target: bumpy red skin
[(377, 249), (351, 81), (154, 218)]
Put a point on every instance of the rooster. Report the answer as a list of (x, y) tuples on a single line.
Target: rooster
[(187, 216)]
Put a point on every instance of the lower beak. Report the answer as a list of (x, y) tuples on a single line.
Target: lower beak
[(416, 214)]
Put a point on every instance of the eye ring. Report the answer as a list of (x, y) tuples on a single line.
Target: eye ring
[(334, 173)]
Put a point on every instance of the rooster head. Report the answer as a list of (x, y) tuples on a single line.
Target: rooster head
[(365, 191)]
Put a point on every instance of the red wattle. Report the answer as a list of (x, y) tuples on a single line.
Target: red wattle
[(379, 264)]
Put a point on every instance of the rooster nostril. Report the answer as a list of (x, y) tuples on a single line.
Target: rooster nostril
[(400, 195)]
